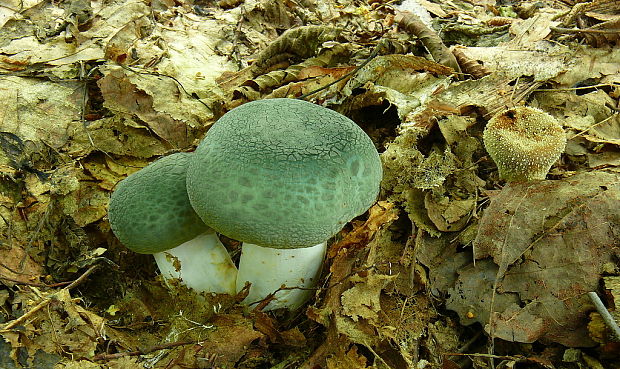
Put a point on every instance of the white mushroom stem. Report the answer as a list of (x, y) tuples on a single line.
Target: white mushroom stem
[(269, 269), (201, 263)]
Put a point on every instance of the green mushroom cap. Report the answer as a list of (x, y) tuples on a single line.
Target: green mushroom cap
[(283, 173), (150, 212)]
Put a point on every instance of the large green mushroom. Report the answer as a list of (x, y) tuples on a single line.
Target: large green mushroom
[(150, 213), (283, 176)]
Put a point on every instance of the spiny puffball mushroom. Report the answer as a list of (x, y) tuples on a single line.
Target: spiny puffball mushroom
[(524, 142), (282, 174), (150, 213)]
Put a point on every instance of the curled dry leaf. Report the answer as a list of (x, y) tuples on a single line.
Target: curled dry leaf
[(302, 42), (412, 24), (383, 212)]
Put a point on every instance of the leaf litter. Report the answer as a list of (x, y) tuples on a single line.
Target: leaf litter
[(451, 260)]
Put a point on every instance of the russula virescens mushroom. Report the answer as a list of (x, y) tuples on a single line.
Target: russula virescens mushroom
[(524, 142), (150, 213), (282, 176)]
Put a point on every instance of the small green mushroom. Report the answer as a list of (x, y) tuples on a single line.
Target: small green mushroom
[(524, 142), (283, 176), (150, 213)]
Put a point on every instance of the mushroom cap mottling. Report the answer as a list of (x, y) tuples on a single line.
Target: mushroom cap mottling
[(150, 212), (283, 173), (524, 142)]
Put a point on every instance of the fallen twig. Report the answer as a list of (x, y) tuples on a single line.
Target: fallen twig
[(607, 318), (585, 30), (13, 323), (34, 284), (372, 55), (145, 351)]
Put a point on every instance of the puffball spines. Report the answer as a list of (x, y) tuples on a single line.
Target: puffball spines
[(524, 142), (149, 210), (283, 173)]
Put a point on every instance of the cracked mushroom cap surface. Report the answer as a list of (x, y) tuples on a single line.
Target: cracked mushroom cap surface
[(149, 210), (524, 142), (283, 173)]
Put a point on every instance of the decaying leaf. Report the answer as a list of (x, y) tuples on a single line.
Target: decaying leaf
[(412, 23), (362, 300), (447, 214), (124, 95), (94, 90), (394, 78), (301, 42), (547, 241), (597, 328), (350, 359), (296, 79), (230, 340), (57, 325), (380, 214), (16, 266), (38, 111)]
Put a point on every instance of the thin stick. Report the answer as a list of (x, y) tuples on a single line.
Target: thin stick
[(607, 318), (373, 54), (34, 284), (592, 126), (143, 351), (82, 277), (12, 324), (586, 30), (499, 357)]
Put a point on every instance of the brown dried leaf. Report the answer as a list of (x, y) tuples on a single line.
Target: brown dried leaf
[(39, 111), (123, 95), (529, 31), (302, 42), (107, 177), (362, 300), (360, 331), (382, 213), (17, 266), (403, 73), (231, 340), (602, 38), (412, 24), (116, 135), (403, 80), (316, 71), (126, 362), (86, 205), (441, 258), (80, 364), (549, 241), (524, 216), (293, 337), (57, 324), (267, 326), (596, 326), (448, 214), (492, 93), (469, 65), (350, 359)]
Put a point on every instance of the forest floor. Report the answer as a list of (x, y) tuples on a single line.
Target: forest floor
[(451, 268)]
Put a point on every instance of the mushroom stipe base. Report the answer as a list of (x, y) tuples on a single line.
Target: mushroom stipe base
[(201, 263), (269, 269)]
